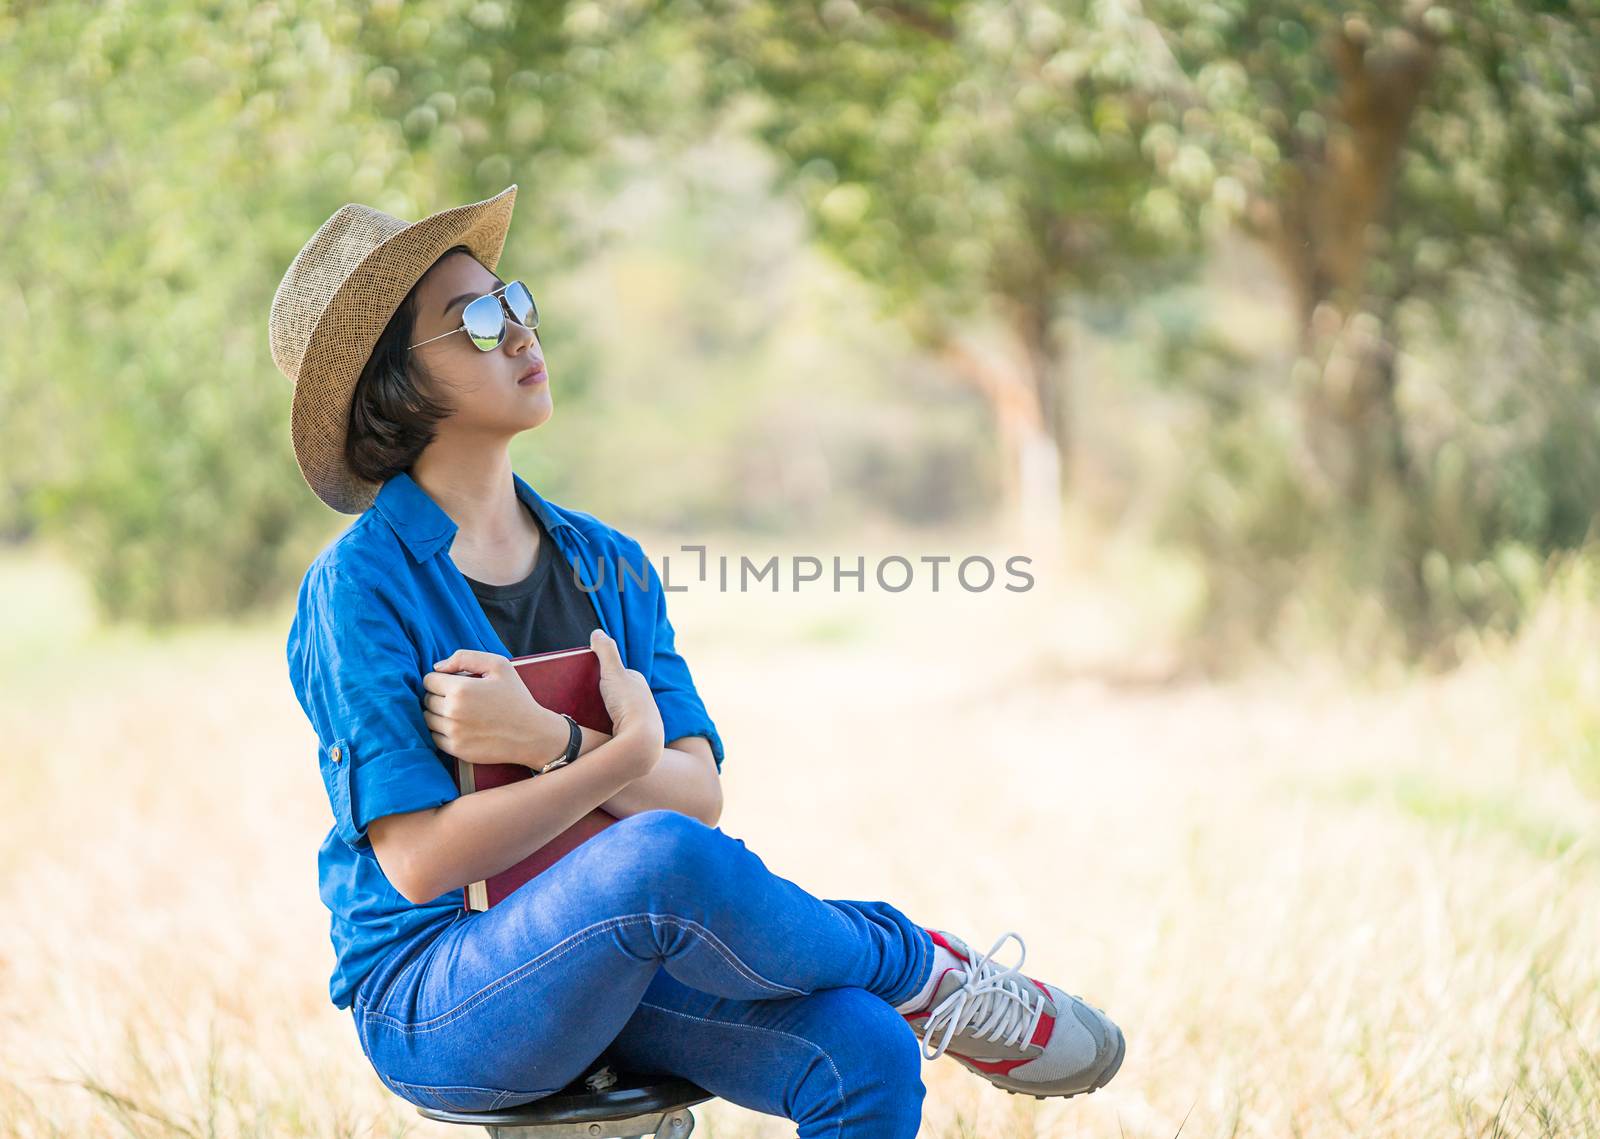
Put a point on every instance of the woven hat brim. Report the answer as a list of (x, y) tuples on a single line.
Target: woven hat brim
[(344, 336)]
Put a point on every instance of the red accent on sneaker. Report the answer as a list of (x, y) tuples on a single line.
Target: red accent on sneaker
[(1041, 1035), (1047, 1023), (938, 940), (999, 1066), (928, 1011), (933, 933)]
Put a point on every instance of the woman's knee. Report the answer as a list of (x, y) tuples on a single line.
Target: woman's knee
[(885, 1037), (650, 856), (663, 839), (878, 1057)]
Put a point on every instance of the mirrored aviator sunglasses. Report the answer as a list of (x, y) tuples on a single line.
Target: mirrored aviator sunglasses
[(484, 318)]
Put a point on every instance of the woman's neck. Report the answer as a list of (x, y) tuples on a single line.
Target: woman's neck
[(480, 496)]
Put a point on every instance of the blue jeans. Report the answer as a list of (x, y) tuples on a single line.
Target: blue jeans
[(670, 948)]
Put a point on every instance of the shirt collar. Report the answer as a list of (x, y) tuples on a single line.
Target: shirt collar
[(424, 527)]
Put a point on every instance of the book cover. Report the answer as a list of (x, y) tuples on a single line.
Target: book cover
[(564, 680)]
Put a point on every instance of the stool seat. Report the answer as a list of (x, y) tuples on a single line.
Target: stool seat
[(631, 1107)]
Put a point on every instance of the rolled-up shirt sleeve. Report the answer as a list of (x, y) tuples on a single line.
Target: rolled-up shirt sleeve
[(683, 713), (359, 678)]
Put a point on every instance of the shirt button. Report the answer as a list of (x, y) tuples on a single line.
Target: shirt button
[(335, 754)]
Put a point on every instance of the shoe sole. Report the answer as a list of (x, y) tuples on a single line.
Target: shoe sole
[(1101, 1081)]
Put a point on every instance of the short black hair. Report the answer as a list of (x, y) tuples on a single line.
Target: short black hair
[(392, 416)]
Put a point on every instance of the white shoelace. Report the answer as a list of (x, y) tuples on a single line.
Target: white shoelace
[(995, 1003)]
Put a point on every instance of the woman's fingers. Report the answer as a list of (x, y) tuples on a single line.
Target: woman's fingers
[(606, 649)]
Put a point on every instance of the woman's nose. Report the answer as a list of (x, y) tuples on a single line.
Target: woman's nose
[(518, 335)]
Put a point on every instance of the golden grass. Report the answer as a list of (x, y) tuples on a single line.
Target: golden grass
[(1318, 909)]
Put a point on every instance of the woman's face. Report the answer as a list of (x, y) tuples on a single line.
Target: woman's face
[(481, 386)]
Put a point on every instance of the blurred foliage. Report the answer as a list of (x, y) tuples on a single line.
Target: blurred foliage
[(1055, 175), (738, 358), (1424, 174), (1474, 123), (965, 156), (1411, 167), (1503, 422), (186, 152), (977, 164)]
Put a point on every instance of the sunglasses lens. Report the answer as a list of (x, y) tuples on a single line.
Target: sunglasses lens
[(522, 306), (485, 321)]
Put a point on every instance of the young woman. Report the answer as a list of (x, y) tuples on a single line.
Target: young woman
[(661, 943)]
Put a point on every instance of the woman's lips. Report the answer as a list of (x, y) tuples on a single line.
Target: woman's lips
[(537, 376)]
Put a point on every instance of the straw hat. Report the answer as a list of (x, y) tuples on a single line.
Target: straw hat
[(333, 304)]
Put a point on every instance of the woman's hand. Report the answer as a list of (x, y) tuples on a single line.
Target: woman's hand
[(628, 698), (477, 709)]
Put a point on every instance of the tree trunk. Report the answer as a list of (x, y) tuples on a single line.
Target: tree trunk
[(1336, 192), (1045, 352), (1030, 454), (1350, 419)]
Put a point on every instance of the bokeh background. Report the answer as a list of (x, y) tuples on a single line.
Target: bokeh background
[(1265, 329)]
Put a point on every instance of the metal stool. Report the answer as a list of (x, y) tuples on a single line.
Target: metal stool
[(600, 1104)]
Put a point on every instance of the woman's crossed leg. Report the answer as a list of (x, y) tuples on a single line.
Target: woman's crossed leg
[(513, 1003), (838, 1062)]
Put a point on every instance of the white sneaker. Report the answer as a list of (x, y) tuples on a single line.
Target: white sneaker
[(1018, 1033)]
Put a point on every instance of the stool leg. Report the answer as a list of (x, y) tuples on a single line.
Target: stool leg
[(675, 1125)]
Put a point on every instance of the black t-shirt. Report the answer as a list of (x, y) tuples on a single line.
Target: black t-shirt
[(545, 610)]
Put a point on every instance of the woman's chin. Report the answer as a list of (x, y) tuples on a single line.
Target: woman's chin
[(538, 414)]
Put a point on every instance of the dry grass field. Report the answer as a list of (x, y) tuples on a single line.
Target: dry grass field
[(1318, 907)]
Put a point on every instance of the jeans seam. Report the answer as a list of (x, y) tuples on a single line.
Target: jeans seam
[(500, 1094), (560, 949), (392, 987), (838, 1080)]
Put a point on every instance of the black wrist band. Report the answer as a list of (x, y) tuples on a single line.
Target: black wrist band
[(574, 742)]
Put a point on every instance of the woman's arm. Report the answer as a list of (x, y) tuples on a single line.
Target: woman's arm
[(488, 716), (430, 852), (685, 780)]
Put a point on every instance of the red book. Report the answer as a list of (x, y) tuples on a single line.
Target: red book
[(565, 680)]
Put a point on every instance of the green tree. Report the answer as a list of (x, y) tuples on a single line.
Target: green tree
[(984, 162), (979, 164), (1397, 159), (165, 161)]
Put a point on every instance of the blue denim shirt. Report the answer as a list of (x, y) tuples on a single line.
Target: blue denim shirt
[(378, 606)]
